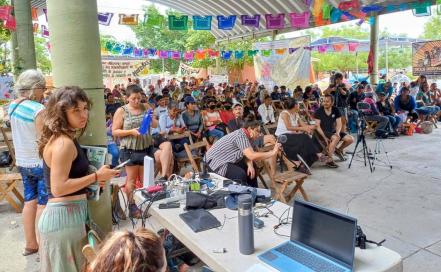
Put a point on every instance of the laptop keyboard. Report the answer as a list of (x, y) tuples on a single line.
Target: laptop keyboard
[(308, 259)]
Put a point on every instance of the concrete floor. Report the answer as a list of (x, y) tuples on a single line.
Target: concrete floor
[(402, 205)]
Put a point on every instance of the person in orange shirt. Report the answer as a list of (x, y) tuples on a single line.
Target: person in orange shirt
[(226, 114)]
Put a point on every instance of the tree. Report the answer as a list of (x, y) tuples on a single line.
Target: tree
[(42, 55), (432, 28)]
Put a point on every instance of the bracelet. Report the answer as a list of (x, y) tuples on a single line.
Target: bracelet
[(96, 177)]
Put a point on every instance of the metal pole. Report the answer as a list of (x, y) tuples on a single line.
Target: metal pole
[(387, 57), (374, 48)]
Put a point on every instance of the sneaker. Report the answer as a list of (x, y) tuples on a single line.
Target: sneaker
[(135, 212), (331, 164), (340, 155)]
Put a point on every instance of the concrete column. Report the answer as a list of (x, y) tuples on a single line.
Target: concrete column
[(76, 60), (374, 48), (25, 36)]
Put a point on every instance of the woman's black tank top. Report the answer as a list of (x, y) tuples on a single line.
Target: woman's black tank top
[(79, 169)]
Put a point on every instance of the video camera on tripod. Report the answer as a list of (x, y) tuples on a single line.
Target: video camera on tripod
[(363, 110)]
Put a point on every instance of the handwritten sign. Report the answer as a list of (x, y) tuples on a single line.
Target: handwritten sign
[(124, 68)]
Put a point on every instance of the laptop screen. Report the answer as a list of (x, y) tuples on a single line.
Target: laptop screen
[(326, 231)]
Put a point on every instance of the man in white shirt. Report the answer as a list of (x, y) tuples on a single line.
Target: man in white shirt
[(266, 111)]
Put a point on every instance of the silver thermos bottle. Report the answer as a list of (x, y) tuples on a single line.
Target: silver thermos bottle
[(246, 230)]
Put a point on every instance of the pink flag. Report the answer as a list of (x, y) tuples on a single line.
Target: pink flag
[(353, 46), (10, 23), (5, 11), (275, 21), (323, 48), (189, 55), (300, 20)]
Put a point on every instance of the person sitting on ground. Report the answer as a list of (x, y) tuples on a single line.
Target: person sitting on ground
[(172, 123), (134, 146), (328, 122), (299, 147), (372, 114), (405, 103), (386, 109), (123, 251), (226, 113), (340, 92), (266, 111), (212, 121), (193, 118), (232, 156), (67, 174)]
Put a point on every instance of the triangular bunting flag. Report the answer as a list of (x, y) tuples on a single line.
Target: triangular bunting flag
[(128, 51), (338, 47), (189, 55), (280, 51), (300, 20), (292, 50), (163, 54), (175, 55), (266, 53)]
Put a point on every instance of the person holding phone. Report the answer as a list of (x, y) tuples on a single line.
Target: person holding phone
[(66, 170)]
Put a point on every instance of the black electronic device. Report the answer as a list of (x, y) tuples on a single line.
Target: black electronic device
[(172, 205)]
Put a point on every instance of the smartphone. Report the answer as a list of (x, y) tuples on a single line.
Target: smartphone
[(121, 165)]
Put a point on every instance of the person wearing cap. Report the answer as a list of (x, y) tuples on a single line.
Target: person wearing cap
[(193, 118), (386, 109), (237, 122)]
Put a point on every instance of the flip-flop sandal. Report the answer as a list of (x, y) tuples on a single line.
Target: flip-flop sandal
[(331, 164), (29, 251)]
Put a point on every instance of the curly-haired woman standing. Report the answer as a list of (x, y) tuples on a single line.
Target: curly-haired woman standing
[(66, 167)]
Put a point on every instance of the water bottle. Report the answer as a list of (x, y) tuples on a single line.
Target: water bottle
[(246, 230), (145, 124)]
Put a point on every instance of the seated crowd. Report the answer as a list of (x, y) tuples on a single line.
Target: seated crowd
[(303, 126)]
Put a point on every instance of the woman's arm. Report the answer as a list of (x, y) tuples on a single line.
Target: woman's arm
[(63, 154), (288, 124), (118, 121)]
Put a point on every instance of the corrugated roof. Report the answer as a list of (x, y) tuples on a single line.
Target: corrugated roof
[(245, 7)]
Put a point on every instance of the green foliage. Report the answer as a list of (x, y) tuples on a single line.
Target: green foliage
[(432, 28), (42, 55), (352, 32)]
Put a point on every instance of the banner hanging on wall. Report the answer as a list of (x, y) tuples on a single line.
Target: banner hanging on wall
[(426, 58), (286, 69), (123, 68)]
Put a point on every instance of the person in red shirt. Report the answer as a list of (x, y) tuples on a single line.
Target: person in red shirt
[(226, 113)]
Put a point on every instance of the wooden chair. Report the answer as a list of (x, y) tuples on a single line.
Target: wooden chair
[(371, 127), (181, 161), (270, 129), (8, 188), (195, 159), (282, 181)]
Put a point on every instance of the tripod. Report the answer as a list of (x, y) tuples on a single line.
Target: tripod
[(379, 147), (362, 139)]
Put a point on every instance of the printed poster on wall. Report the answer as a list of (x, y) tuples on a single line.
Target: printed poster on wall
[(124, 68), (426, 58), (288, 68)]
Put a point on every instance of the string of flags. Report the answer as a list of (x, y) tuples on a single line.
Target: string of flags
[(112, 48)]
